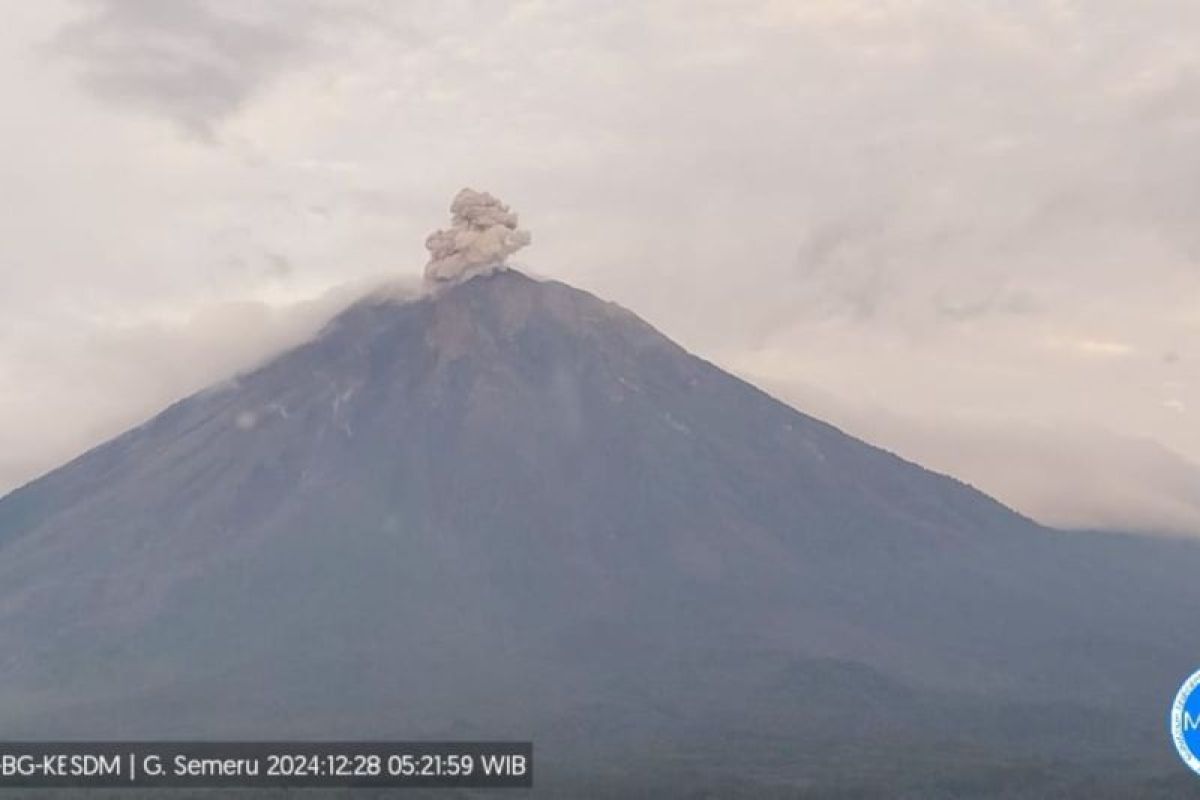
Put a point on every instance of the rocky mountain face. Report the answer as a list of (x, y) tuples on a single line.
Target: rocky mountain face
[(510, 509)]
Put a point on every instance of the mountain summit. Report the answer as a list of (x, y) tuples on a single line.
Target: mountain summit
[(507, 508)]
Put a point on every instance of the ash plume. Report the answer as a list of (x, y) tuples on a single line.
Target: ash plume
[(482, 235)]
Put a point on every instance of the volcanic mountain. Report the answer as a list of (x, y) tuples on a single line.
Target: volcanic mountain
[(509, 509)]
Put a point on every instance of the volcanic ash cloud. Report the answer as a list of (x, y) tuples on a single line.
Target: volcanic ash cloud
[(482, 235)]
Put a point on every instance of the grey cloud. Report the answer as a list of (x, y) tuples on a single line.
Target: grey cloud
[(194, 62), (1005, 302), (1075, 477), (842, 266), (278, 266)]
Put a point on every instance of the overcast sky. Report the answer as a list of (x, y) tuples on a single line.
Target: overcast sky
[(965, 231)]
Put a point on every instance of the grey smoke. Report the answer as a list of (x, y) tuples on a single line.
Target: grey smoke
[(482, 235)]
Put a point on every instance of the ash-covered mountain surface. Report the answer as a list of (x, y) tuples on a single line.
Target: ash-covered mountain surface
[(511, 510)]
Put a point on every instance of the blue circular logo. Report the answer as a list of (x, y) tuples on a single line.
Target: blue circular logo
[(1185, 722)]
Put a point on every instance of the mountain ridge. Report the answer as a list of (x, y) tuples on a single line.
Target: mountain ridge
[(443, 327)]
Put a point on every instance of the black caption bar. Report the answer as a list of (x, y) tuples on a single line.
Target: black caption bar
[(266, 764)]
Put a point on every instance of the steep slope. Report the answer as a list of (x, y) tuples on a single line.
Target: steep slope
[(511, 508)]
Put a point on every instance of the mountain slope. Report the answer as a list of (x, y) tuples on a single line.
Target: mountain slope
[(512, 509)]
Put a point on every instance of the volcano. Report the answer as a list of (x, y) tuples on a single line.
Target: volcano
[(508, 509)]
